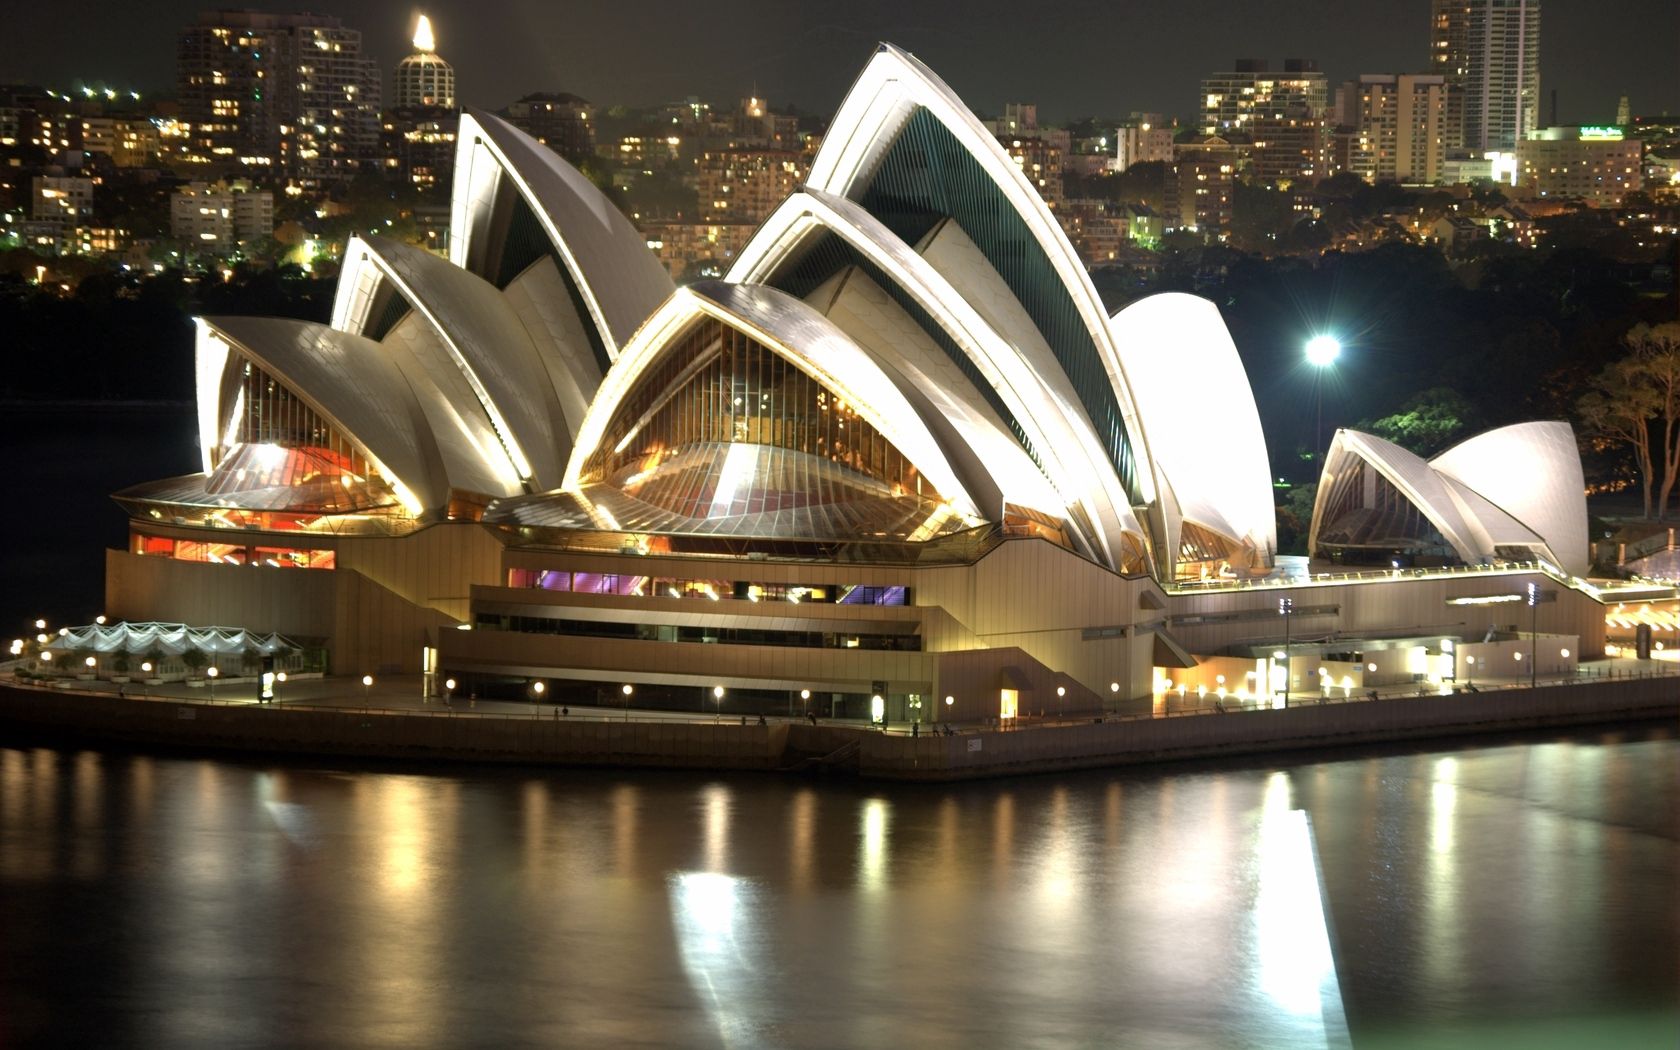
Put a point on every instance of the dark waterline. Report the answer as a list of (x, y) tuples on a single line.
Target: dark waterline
[(1522, 893)]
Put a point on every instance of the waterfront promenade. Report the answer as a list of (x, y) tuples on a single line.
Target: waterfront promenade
[(391, 720)]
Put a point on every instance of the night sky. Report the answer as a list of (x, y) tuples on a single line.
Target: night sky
[(1072, 58)]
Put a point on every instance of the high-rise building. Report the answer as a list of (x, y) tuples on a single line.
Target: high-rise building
[(1488, 51), (1281, 114), (423, 79), (288, 92), (1395, 126)]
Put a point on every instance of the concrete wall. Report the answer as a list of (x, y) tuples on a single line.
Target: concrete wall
[(1035, 596), (1388, 607), (568, 741), (1300, 727)]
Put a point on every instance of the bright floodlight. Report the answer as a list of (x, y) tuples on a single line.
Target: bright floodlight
[(1322, 350)]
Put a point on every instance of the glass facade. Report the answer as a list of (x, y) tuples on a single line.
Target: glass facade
[(1367, 520), (232, 553), (278, 453), (713, 589), (652, 632), (927, 176), (724, 434)]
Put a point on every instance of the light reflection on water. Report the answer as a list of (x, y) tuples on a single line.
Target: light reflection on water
[(1508, 892)]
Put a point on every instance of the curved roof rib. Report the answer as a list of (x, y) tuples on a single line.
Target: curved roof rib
[(485, 341), (898, 99), (804, 337), (1038, 405), (606, 262), (1212, 458), (350, 382), (1532, 471)]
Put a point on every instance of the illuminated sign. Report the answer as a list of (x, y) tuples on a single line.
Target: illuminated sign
[(1599, 132)]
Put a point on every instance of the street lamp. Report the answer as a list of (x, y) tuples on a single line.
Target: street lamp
[(448, 690), (1322, 352), (1286, 606), (537, 689), (367, 688), (717, 697), (211, 673), (627, 690), (279, 680), (1060, 692), (92, 665), (40, 625)]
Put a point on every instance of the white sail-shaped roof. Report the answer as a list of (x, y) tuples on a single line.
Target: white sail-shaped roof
[(1477, 523), (617, 278), (1532, 471), (804, 337), (1212, 453), (345, 378), (483, 340), (889, 93), (1034, 393)]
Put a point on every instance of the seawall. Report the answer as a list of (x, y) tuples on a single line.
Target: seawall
[(584, 741)]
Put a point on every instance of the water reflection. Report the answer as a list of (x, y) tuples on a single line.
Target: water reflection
[(197, 903)]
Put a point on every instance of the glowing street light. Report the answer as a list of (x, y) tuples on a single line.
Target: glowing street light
[(717, 696), (448, 689), (212, 673), (367, 687), (627, 690), (1322, 352)]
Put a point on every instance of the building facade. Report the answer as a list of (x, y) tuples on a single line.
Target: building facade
[(1594, 164), (290, 93), (1396, 124), (1488, 55), (1282, 114), (898, 463)]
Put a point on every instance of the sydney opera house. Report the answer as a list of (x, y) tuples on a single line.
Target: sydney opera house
[(899, 462)]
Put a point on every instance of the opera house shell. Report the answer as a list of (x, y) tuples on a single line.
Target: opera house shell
[(813, 468)]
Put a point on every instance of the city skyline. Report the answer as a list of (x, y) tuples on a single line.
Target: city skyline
[(1064, 62)]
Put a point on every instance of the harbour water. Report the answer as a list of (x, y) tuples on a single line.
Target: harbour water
[(1522, 891)]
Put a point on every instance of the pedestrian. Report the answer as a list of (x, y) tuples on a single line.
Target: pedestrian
[(567, 711), (915, 729)]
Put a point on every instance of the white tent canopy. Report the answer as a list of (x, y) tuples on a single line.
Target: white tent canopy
[(172, 639)]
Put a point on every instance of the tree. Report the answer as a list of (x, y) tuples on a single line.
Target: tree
[(1635, 401), (1428, 422)]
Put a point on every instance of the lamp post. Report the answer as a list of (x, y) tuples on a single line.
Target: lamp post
[(627, 690), (279, 680), (1321, 352), (717, 697), (805, 700), (145, 673), (1533, 632), (211, 673), (448, 690), (1061, 691), (1286, 606), (367, 689)]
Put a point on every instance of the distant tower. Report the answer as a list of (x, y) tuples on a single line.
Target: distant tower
[(424, 79), (1624, 115)]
